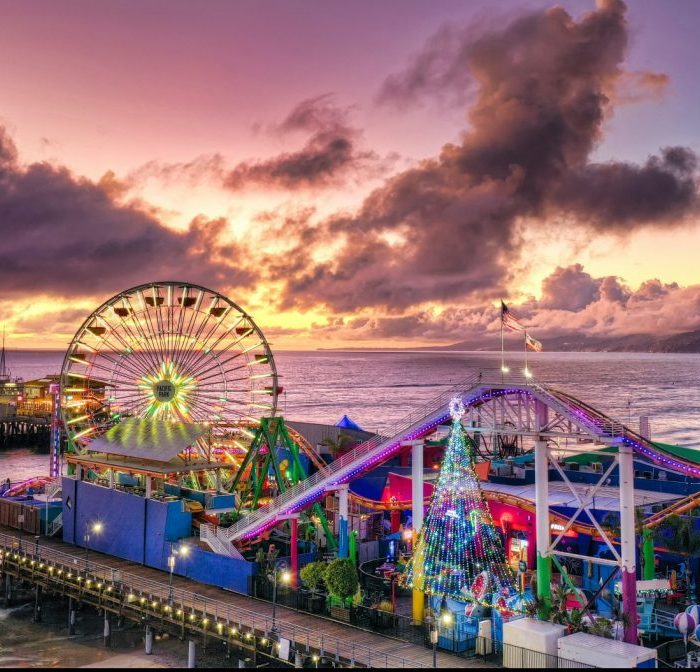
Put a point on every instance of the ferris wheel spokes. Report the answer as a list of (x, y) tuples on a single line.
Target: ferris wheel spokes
[(169, 350)]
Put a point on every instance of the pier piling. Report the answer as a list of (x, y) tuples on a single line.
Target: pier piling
[(191, 654), (8, 590), (107, 630), (37, 604), (149, 640), (71, 617)]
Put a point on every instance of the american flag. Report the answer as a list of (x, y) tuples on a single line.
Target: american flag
[(532, 343), (509, 321)]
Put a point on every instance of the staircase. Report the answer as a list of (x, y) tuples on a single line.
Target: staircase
[(55, 525), (207, 534), (53, 488)]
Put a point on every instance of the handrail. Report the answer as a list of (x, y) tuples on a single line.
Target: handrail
[(207, 533), (53, 488), (215, 610), (56, 524)]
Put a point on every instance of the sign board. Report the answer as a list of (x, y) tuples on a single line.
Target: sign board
[(284, 649)]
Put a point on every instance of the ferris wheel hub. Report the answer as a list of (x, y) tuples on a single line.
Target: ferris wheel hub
[(164, 391)]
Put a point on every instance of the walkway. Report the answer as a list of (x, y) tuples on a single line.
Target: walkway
[(233, 612)]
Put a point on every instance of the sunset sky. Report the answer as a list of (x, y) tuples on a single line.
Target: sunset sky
[(353, 173)]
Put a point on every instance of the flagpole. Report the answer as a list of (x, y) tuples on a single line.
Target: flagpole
[(503, 362), (527, 370)]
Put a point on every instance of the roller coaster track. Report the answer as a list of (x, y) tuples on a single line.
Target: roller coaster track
[(474, 391)]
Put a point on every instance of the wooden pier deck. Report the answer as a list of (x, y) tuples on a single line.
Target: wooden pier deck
[(199, 611)]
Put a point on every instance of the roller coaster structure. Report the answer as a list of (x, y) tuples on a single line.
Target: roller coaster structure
[(536, 413)]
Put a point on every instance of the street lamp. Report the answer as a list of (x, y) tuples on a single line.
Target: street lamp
[(95, 528), (445, 618), (285, 577), (184, 551)]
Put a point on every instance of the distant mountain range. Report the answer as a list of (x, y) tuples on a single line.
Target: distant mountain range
[(688, 341)]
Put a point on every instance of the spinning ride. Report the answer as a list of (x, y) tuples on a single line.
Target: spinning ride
[(169, 351)]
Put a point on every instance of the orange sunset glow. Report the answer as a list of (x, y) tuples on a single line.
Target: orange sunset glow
[(351, 176)]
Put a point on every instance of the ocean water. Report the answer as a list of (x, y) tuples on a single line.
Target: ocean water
[(377, 389)]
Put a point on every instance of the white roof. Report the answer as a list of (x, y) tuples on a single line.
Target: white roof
[(606, 498), (157, 440), (613, 647)]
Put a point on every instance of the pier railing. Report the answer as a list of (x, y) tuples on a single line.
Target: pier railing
[(185, 607)]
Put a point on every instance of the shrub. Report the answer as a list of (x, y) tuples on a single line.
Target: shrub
[(312, 575), (341, 578), (386, 605)]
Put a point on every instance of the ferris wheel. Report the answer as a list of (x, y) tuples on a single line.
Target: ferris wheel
[(167, 351)]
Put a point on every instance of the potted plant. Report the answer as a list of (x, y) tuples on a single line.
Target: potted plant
[(602, 627), (311, 576), (342, 583)]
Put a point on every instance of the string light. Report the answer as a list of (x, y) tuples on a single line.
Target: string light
[(459, 551)]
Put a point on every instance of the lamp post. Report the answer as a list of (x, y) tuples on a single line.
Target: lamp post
[(285, 577), (444, 618), (20, 522), (95, 528), (174, 552)]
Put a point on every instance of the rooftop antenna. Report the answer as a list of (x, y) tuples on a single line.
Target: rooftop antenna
[(4, 373)]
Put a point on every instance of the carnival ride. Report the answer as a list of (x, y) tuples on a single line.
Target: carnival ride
[(169, 351), (534, 412), (174, 352)]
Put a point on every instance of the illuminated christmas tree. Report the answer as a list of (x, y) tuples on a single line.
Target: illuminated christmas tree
[(459, 552)]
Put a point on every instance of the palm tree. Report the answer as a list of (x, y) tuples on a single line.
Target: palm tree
[(611, 525), (338, 443), (678, 535)]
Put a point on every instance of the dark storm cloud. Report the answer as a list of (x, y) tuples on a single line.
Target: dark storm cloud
[(8, 150), (612, 290), (621, 196), (569, 289), (448, 228), (651, 290), (572, 289), (329, 155), (65, 236), (654, 307)]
